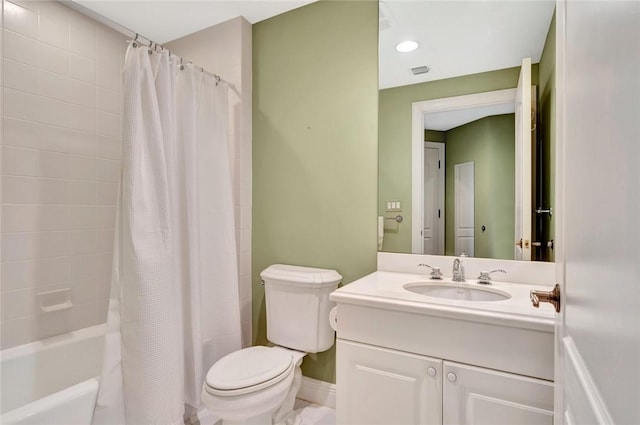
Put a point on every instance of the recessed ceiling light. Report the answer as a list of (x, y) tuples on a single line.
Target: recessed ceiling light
[(407, 46)]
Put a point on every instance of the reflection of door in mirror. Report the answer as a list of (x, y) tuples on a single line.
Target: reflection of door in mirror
[(433, 232), (464, 189)]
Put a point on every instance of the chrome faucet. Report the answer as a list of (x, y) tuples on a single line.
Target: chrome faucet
[(458, 269), (435, 271)]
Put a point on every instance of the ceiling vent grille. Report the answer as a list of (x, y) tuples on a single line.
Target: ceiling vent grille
[(420, 70)]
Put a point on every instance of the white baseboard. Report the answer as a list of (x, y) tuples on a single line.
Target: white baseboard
[(318, 392)]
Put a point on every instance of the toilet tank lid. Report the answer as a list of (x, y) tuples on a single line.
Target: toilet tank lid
[(298, 275)]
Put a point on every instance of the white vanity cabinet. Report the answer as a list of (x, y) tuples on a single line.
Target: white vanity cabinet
[(474, 395), (378, 386), (405, 361)]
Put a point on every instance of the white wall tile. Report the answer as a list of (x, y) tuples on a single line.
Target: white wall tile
[(106, 193), (107, 124), (106, 217), (35, 273), (104, 240), (83, 291), (107, 170), (53, 85), (104, 261), (20, 48), (27, 246), (34, 218), (53, 191), (20, 76), (82, 242), (82, 168), (19, 133), (81, 118), (82, 37), (108, 100), (18, 331), (108, 147), (82, 217), (18, 303), (56, 167), (20, 162), (102, 307), (108, 76), (54, 31), (21, 105), (53, 59), (82, 266), (20, 19), (19, 190), (81, 192), (53, 112), (82, 68), (81, 93)]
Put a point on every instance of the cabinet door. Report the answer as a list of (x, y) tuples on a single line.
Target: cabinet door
[(378, 386), (477, 396)]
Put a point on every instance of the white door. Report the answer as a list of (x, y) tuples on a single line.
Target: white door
[(523, 211), (478, 396), (433, 231), (598, 267), (378, 386), (464, 215)]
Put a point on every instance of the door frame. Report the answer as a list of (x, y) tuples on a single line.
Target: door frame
[(441, 189), (418, 111)]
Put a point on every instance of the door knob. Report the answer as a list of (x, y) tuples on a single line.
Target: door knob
[(552, 297)]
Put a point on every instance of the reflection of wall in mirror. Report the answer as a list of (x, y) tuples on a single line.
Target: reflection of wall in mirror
[(394, 132), (488, 142)]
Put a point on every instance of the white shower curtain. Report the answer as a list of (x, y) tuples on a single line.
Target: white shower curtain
[(174, 307)]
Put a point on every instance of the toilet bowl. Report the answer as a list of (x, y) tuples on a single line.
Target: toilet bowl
[(258, 385), (255, 385)]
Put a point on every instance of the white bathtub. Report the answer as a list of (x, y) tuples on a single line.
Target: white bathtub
[(53, 381)]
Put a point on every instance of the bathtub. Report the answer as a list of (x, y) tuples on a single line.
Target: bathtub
[(53, 381)]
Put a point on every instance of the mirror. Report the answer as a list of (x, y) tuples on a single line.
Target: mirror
[(468, 49)]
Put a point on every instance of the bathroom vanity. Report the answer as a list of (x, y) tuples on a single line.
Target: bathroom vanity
[(412, 350)]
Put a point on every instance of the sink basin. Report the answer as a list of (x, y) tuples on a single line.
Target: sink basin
[(456, 291)]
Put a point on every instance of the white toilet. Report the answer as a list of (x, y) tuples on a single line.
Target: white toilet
[(258, 385)]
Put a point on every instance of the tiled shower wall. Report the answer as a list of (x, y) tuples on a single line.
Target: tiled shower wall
[(60, 162)]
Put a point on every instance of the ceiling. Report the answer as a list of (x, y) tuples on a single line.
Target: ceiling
[(456, 37), (166, 20), (459, 37), (445, 121)]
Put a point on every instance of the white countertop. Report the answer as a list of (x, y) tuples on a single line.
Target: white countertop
[(385, 290)]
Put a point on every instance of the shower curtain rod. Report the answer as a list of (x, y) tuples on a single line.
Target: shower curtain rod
[(135, 36)]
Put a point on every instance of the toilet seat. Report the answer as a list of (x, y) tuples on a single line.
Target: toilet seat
[(248, 370)]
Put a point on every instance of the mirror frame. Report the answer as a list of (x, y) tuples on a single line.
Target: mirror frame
[(419, 109)]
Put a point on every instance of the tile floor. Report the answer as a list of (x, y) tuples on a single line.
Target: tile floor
[(312, 414)]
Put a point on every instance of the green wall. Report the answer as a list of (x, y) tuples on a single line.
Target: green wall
[(394, 130), (489, 143), (547, 122), (315, 147)]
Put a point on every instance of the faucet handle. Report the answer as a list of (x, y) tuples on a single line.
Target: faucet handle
[(435, 271), (485, 277)]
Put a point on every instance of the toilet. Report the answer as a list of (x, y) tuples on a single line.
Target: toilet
[(258, 385)]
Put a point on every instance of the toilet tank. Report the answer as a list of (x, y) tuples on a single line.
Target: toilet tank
[(297, 301)]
